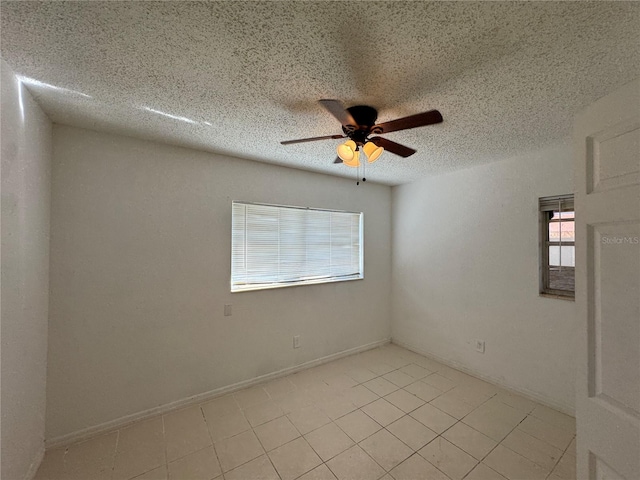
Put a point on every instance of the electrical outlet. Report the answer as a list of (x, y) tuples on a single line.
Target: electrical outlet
[(227, 310), (480, 346), (296, 341)]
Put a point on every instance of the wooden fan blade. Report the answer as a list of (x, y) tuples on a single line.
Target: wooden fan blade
[(393, 147), (336, 109), (337, 160), (312, 139), (412, 121)]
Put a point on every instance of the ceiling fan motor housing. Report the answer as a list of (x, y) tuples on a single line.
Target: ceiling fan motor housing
[(365, 118)]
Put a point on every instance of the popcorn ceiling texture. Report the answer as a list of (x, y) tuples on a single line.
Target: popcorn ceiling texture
[(239, 77)]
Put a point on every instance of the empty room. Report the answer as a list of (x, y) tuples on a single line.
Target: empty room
[(329, 240)]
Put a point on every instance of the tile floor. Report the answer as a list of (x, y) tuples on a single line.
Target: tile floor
[(387, 413)]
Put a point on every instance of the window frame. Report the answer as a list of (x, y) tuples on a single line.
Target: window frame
[(316, 281), (544, 207)]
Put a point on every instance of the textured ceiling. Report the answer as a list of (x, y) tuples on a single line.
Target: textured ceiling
[(239, 77)]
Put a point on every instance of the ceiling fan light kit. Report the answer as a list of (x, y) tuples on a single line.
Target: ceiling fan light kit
[(347, 150), (359, 122), (372, 151)]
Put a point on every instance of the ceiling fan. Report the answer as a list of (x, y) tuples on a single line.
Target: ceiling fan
[(359, 122)]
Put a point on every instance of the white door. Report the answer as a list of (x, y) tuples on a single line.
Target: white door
[(607, 149)]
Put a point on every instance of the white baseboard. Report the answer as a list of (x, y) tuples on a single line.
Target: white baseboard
[(535, 396), (35, 464), (121, 422)]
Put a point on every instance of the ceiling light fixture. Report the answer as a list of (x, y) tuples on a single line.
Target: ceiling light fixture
[(372, 151), (349, 152)]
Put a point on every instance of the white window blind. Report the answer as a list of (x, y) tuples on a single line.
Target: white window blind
[(276, 246)]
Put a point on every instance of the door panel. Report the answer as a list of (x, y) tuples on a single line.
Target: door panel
[(607, 149)]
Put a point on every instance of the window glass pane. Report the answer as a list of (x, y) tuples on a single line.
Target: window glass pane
[(567, 258), (568, 231), (562, 278), (278, 246), (562, 215)]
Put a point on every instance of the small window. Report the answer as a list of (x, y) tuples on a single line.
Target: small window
[(557, 246), (276, 246)]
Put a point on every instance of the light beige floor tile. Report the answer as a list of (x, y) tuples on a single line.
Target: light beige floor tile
[(471, 441), (386, 449), (262, 413), (423, 391), (383, 412), (227, 426), (441, 382), (555, 418), (417, 468), (202, 464), (502, 412), (435, 419), (513, 466), (220, 407), (448, 458), (489, 422), (451, 373), (328, 441), (185, 431), (535, 450), (451, 405), (275, 433), (429, 364), (416, 371), (399, 378), (358, 425), (411, 432), (235, 451), (546, 432), (355, 464), (159, 473), (251, 396), (308, 419), (482, 472), (91, 459), (337, 407), (294, 458), (279, 387), (293, 401), (480, 386), (516, 401), (380, 386), (380, 368), (140, 449), (257, 469), (566, 468), (360, 395), (473, 396), (340, 382), (52, 466), (404, 400), (321, 472), (361, 374)]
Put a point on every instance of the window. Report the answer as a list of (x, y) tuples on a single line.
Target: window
[(275, 246), (557, 246)]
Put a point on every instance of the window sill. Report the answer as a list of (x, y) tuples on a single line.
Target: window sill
[(559, 297), (294, 284)]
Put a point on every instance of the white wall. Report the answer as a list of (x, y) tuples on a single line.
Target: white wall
[(465, 267), (26, 161), (140, 268)]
